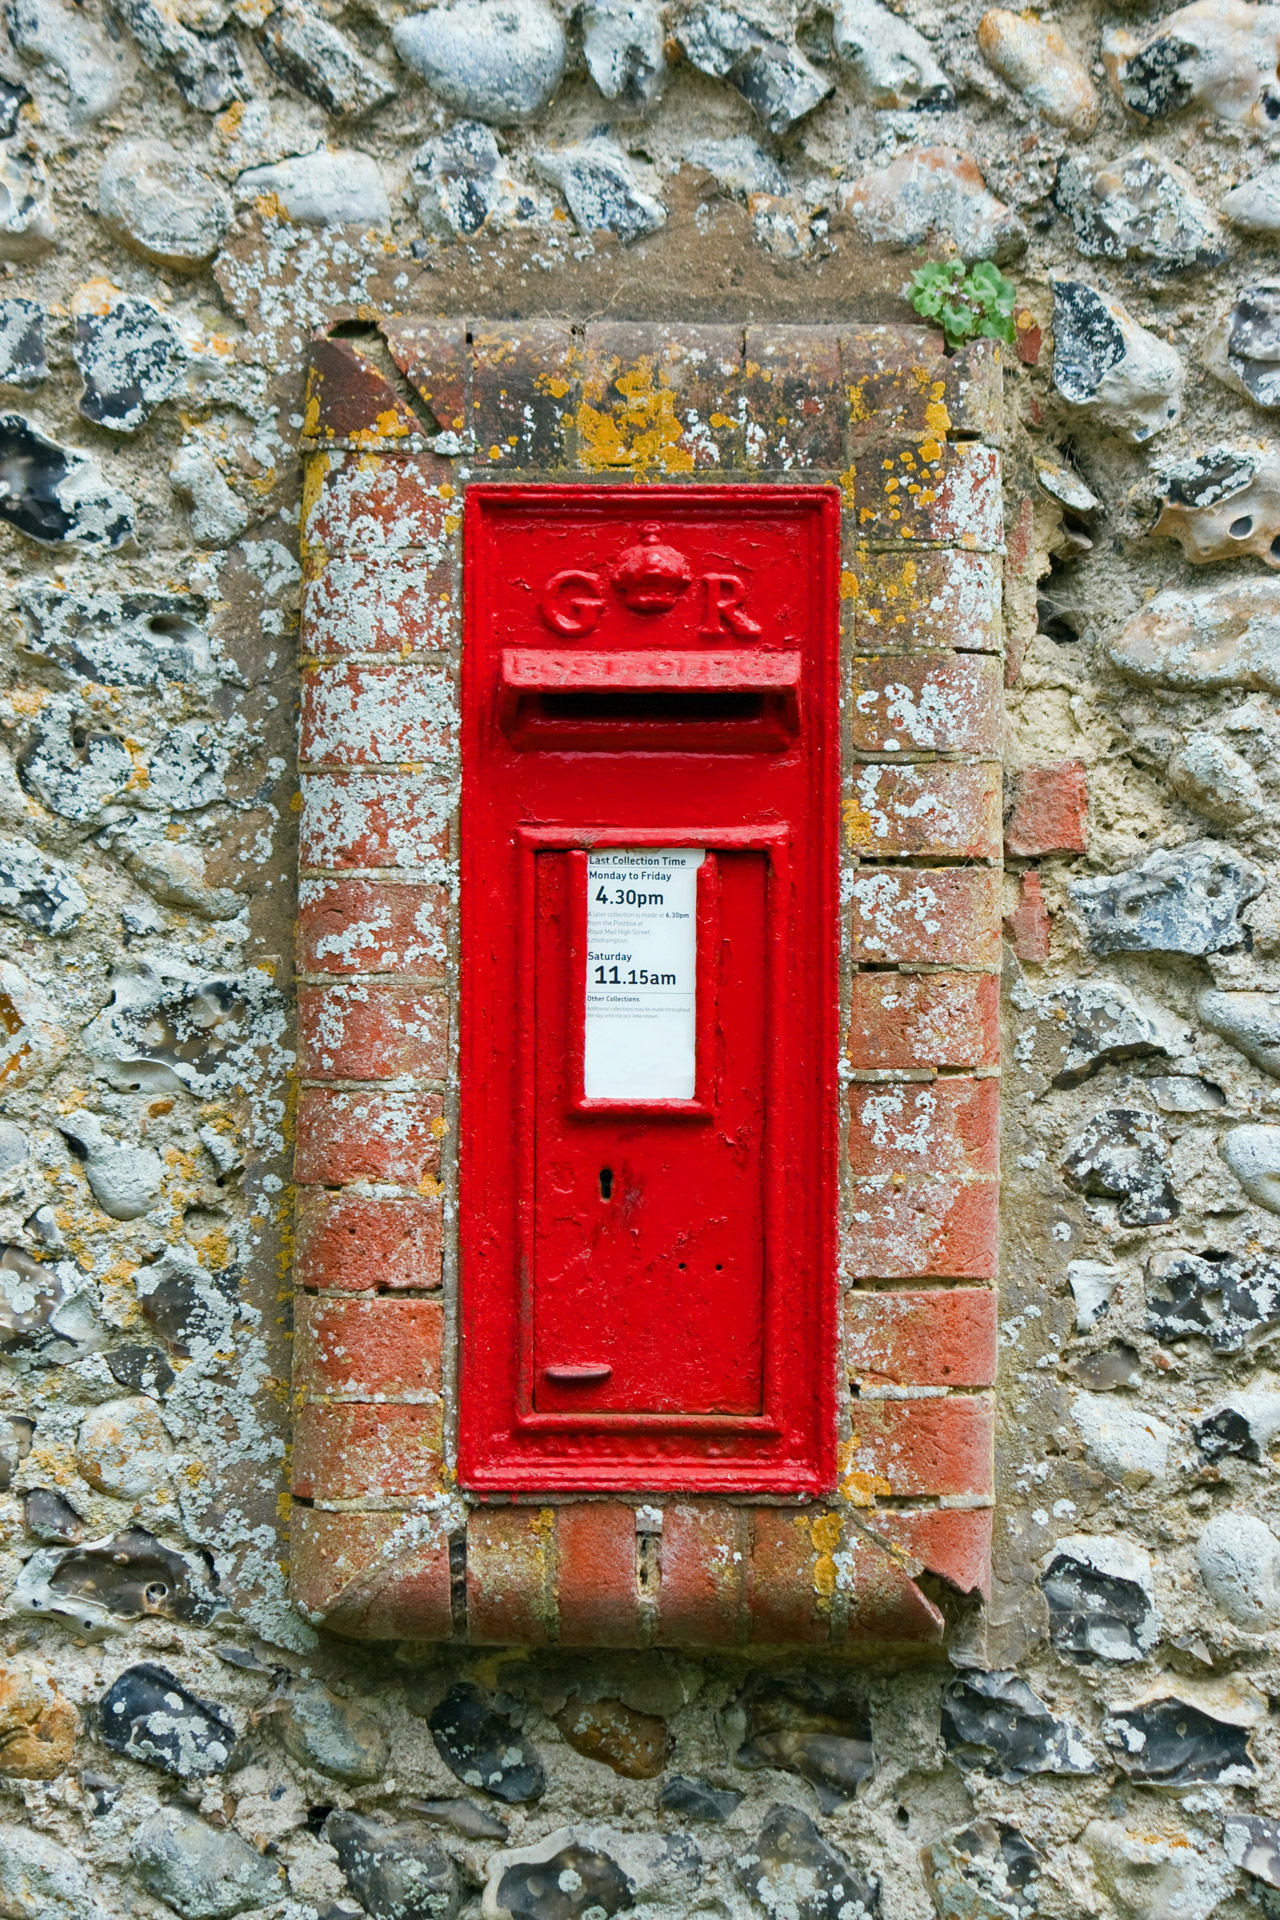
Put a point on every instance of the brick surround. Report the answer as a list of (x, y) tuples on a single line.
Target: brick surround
[(384, 1544)]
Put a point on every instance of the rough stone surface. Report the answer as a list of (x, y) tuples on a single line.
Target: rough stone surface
[(1187, 901), (494, 60), (1127, 378), (328, 188), (160, 205), (601, 188), (894, 64), (1142, 208), (203, 1873), (1036, 60), (1239, 1561), (938, 193)]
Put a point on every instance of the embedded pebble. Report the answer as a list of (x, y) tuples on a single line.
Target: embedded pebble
[(1245, 1425), (993, 1723), (1222, 504), (117, 639), (1213, 1295), (49, 1515), (341, 1739), (934, 193), (1250, 1020), (636, 1745), (1122, 1153), (986, 1871), (697, 1800), (1129, 1446), (462, 183), (1183, 900), (125, 1181), (1087, 1025), (39, 891), (1115, 372), (27, 225), (57, 495), (1170, 1739), (1140, 207), (61, 37), (583, 1871), (218, 515), (739, 165), (332, 187), (1093, 1287), (1151, 1876), (1220, 54), (603, 193), (149, 1715), (482, 1748), (205, 68), (461, 1816), (162, 206), (163, 1032), (804, 1725), (1244, 349), (494, 60), (1035, 59), (789, 1868), (129, 358), (1253, 1155), (394, 1872), (320, 60), (775, 79), (22, 348), (123, 1448), (1252, 1842), (1254, 206), (206, 1873), (1216, 637), (624, 46), (891, 60), (141, 1370), (1216, 780), (42, 1879), (37, 1725), (1101, 1598), (47, 1313)]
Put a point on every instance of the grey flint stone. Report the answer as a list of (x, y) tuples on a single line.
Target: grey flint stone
[(494, 60), (160, 205), (204, 1873), (602, 191), (623, 44), (1184, 900)]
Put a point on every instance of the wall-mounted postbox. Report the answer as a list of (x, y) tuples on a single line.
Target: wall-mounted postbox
[(647, 1181)]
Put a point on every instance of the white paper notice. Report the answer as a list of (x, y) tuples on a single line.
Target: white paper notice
[(642, 946)]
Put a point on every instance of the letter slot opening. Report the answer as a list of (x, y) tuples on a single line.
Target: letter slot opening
[(742, 699)]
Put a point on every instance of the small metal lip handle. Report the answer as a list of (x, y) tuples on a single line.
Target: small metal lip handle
[(590, 1373)]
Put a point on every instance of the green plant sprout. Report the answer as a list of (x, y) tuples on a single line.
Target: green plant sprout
[(977, 305)]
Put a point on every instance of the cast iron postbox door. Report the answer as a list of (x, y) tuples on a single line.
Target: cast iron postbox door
[(648, 998)]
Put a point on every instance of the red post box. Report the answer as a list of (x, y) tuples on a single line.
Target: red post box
[(648, 993)]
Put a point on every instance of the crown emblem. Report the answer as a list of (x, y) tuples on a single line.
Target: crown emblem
[(650, 577)]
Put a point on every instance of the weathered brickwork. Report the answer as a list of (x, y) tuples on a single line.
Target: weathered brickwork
[(910, 437)]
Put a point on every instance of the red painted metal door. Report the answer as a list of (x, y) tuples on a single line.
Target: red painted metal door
[(648, 992)]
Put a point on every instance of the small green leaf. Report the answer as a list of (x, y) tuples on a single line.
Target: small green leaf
[(977, 304)]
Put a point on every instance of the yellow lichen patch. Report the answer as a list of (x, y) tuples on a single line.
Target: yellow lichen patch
[(857, 823), (553, 383), (28, 700), (313, 478), (389, 425), (96, 296), (858, 408), (937, 419), (439, 1127), (930, 452), (643, 434), (824, 1531), (311, 414), (864, 1489), (848, 584)]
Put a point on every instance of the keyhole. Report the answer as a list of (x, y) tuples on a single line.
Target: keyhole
[(606, 1183)]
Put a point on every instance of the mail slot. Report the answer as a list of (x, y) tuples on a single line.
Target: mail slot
[(648, 992)]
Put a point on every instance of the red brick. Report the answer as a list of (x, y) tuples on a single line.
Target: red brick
[(353, 1451), (926, 703), (884, 1603), (945, 1337), (952, 1542), (348, 399), (923, 599), (347, 925), (934, 1129), (937, 1446), (789, 397), (923, 1230), (379, 606), (702, 1575), (510, 1576), (901, 1021), (367, 1349), (1022, 564), (350, 1242), (367, 1135), (782, 1594), (1028, 923), (524, 384), (949, 916), (659, 399), (1049, 811), (372, 1030), (899, 381), (940, 810), (370, 1576), (383, 715), (375, 820), (434, 357), (931, 492), (376, 502), (596, 1565)]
